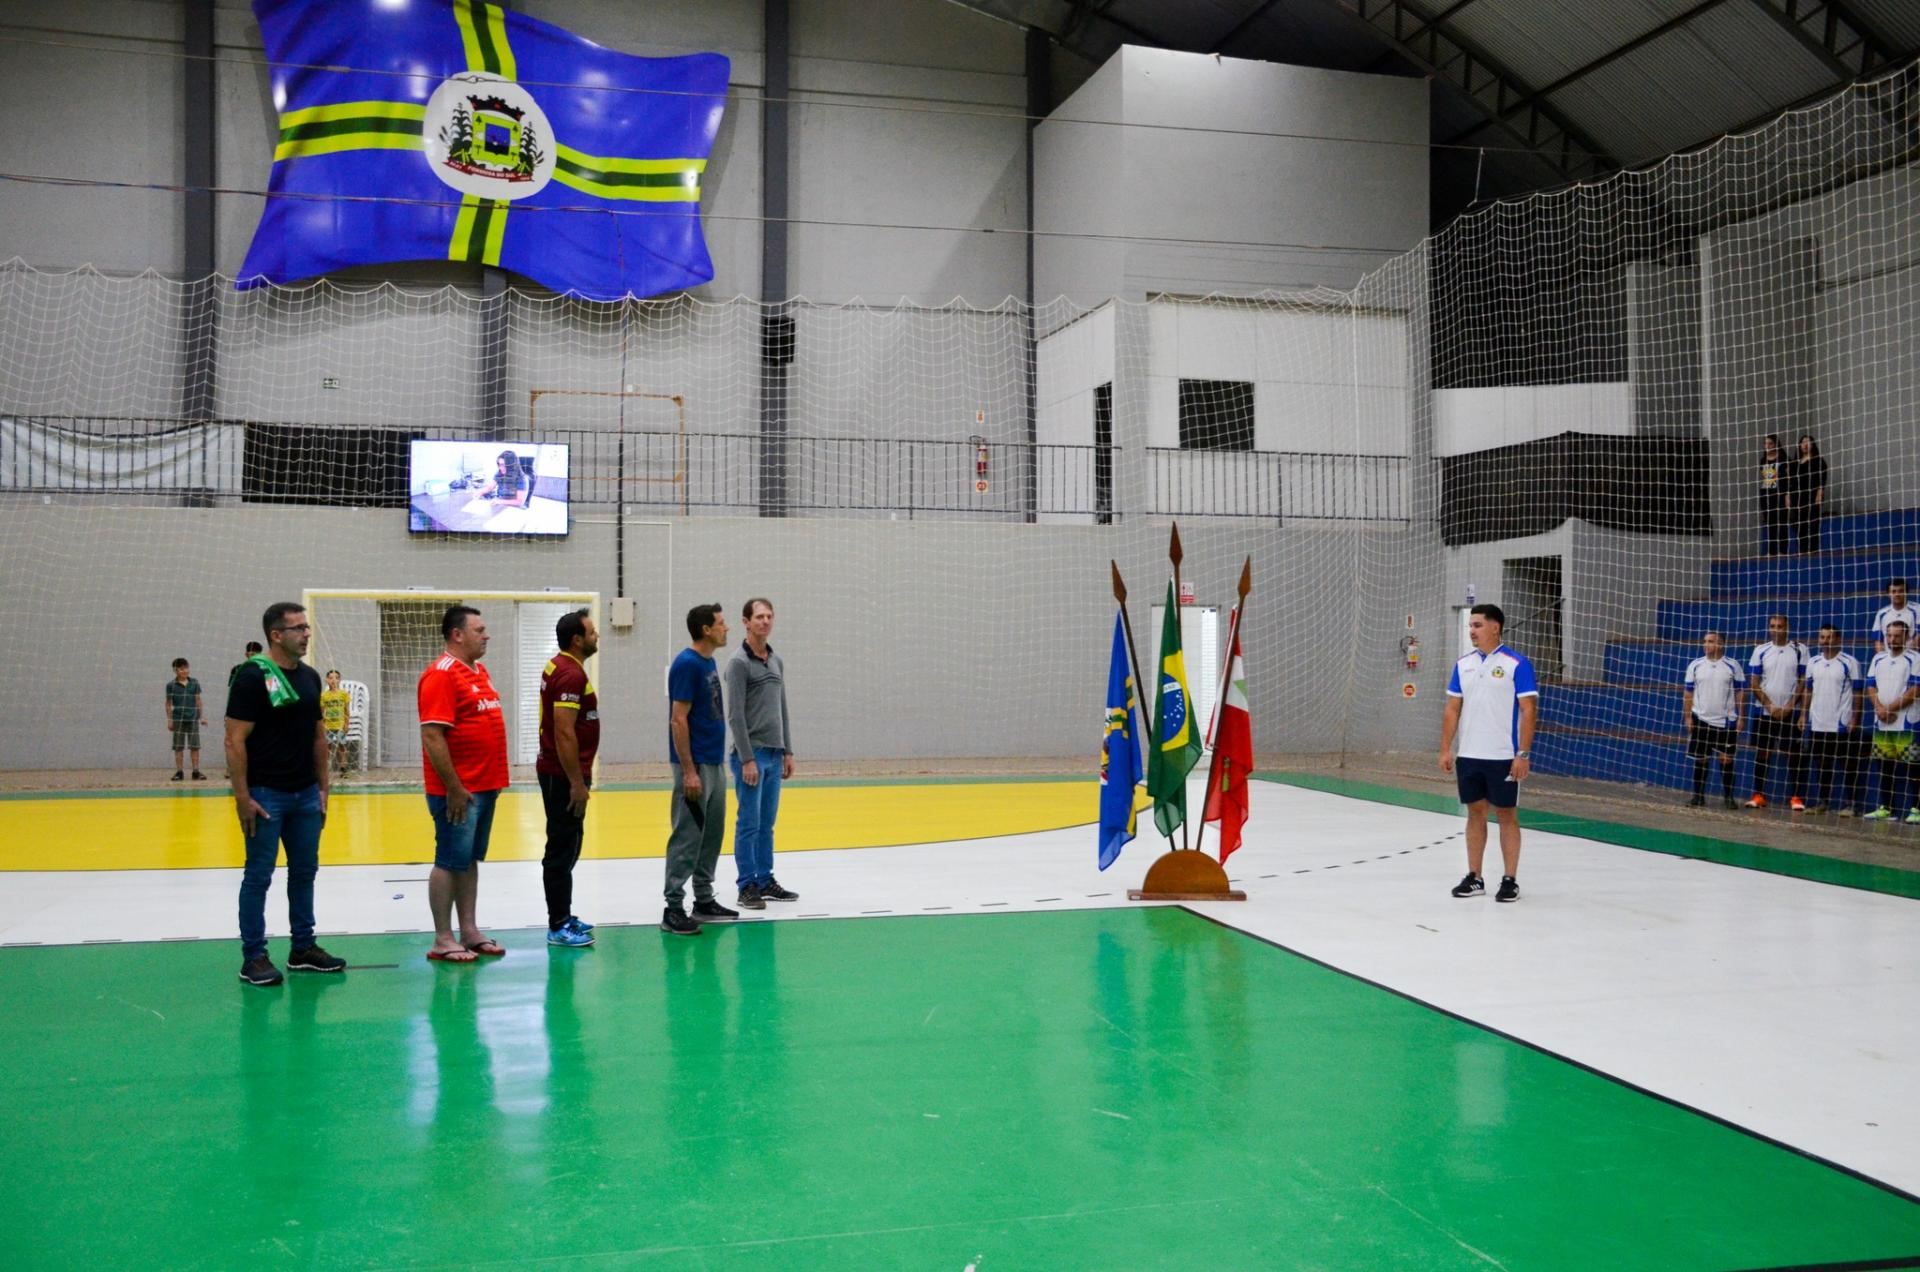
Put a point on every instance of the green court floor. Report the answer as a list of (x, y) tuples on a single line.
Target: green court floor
[(1094, 1089)]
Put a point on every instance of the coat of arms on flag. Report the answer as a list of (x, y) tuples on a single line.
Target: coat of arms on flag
[(455, 130)]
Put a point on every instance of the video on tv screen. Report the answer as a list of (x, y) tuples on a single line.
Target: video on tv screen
[(507, 488)]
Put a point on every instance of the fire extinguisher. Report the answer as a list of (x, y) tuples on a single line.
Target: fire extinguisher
[(1410, 646), (979, 457)]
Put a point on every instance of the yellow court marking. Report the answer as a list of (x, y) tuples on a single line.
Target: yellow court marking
[(168, 832)]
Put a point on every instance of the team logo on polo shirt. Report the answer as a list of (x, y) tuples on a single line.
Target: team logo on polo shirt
[(1499, 673)]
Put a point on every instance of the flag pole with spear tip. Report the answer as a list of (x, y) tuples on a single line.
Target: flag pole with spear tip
[(1175, 555), (1226, 669), (1120, 597)]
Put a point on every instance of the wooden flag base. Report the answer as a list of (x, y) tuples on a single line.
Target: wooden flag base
[(1184, 875)]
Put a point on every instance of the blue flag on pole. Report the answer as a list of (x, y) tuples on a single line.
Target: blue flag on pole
[(464, 132), (1120, 766)]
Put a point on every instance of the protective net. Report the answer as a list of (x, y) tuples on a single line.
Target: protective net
[(1557, 404)]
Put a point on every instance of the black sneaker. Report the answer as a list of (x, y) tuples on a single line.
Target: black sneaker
[(1698, 801), (314, 959), (1731, 802), (713, 912), (676, 921), (750, 898), (1472, 885), (774, 892), (198, 776), (260, 971), (1509, 889), (178, 776)]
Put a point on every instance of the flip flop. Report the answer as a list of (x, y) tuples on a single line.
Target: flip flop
[(490, 948), (453, 956)]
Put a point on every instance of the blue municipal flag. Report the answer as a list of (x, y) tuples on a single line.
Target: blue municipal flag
[(465, 132), (1119, 754)]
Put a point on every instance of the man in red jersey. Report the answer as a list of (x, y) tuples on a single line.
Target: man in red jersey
[(463, 738), (569, 737)]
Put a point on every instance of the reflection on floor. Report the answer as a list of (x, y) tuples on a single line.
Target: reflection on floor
[(1069, 1086)]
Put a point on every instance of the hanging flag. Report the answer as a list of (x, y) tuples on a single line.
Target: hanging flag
[(465, 132), (1119, 754), (1178, 748), (1232, 758)]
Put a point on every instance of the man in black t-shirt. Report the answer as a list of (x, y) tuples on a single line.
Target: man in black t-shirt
[(277, 758)]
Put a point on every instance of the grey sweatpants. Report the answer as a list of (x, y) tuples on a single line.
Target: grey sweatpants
[(693, 846)]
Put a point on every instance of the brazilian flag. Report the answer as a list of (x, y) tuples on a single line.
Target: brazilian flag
[(1176, 746)]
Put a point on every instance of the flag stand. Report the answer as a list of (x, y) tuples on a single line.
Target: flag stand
[(1185, 874), (1180, 874)]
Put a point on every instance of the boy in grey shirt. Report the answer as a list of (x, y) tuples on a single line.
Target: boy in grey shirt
[(760, 752)]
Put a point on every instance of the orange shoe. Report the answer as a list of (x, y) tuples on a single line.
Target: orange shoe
[(1758, 801), (1798, 805)]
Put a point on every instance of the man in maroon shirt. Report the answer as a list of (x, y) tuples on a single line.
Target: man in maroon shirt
[(569, 737)]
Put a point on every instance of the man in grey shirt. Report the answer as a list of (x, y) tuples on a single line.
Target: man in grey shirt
[(760, 752)]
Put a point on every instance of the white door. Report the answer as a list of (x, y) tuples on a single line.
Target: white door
[(533, 625)]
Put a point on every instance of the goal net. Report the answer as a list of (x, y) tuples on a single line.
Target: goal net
[(380, 642), (1557, 404)]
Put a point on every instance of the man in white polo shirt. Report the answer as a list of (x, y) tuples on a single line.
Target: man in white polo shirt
[(1893, 691), (1492, 704), (1711, 701), (1774, 674), (1897, 609), (1836, 744)]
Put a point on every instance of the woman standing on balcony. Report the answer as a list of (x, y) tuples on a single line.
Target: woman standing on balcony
[(1806, 493), (1773, 504)]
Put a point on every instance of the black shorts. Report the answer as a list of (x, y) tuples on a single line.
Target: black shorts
[(1705, 739), (1769, 734), (1486, 779)]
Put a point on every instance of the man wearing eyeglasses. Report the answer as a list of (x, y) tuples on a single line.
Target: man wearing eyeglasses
[(277, 760)]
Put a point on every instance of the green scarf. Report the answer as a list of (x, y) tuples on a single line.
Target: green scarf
[(280, 690)]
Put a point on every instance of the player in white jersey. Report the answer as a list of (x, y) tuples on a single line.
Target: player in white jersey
[(1893, 691), (1774, 673), (1714, 687), (1492, 702), (1897, 609), (1836, 740)]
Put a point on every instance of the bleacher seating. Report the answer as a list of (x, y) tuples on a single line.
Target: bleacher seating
[(1630, 728)]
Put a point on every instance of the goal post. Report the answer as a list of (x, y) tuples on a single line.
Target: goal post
[(381, 638)]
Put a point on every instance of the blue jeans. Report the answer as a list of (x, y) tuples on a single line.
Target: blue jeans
[(755, 807), (294, 819), (457, 845)]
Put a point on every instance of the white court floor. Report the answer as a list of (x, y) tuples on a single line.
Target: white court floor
[(1786, 1007)]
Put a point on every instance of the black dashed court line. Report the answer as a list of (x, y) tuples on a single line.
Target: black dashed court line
[(876, 911), (1039, 900), (931, 908), (985, 904)]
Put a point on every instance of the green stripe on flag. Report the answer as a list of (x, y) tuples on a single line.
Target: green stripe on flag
[(354, 110), (470, 36), (352, 124)]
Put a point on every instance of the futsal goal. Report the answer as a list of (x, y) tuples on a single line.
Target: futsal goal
[(384, 638)]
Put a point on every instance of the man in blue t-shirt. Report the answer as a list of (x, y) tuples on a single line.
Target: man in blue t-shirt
[(697, 747)]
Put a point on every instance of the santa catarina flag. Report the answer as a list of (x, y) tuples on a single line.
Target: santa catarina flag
[(1176, 742), (1232, 758), (1119, 754), (456, 130)]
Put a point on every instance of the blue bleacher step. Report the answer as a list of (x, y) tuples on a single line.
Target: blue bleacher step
[(1825, 574), (1745, 621)]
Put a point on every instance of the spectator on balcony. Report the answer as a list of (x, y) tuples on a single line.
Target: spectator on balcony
[(1805, 494), (1773, 505), (1836, 743), (1893, 691), (1712, 706), (1774, 673), (1897, 609)]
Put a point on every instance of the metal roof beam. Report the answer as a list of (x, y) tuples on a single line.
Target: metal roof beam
[(1637, 42), (1833, 32), (1508, 104)]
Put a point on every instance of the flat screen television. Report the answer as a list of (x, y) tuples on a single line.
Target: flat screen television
[(487, 488)]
